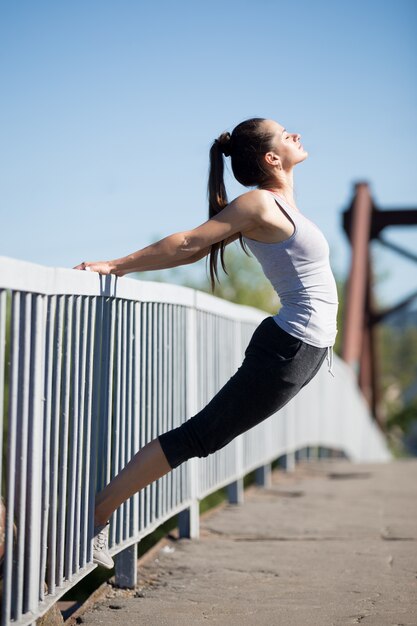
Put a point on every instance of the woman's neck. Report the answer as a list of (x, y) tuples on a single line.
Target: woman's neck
[(284, 186)]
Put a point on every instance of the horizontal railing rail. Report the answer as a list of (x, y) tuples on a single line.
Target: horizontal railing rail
[(94, 367)]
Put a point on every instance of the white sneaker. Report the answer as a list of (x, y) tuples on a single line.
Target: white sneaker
[(101, 546)]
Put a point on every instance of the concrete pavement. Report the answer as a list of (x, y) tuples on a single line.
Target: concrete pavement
[(330, 544)]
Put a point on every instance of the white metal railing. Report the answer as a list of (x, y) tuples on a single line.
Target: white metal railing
[(91, 369)]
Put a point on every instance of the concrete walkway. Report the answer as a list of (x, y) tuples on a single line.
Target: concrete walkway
[(331, 544)]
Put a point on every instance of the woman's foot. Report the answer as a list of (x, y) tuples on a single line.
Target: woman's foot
[(101, 555)]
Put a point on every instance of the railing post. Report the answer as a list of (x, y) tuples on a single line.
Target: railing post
[(302, 454), (189, 518), (126, 567), (288, 461), (313, 453), (35, 425), (263, 475), (323, 452), (236, 489)]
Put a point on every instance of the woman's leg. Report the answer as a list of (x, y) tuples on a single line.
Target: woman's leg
[(150, 463), (147, 465), (275, 367)]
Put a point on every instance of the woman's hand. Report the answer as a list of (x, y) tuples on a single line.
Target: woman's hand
[(102, 267)]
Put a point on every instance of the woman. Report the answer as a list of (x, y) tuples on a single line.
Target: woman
[(287, 349)]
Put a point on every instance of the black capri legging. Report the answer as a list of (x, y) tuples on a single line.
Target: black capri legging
[(276, 366)]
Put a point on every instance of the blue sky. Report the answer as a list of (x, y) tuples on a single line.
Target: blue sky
[(108, 111)]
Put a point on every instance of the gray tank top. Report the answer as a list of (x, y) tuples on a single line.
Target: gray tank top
[(299, 270)]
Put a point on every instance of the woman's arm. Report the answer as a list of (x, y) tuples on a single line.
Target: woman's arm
[(200, 255), (187, 261), (244, 213)]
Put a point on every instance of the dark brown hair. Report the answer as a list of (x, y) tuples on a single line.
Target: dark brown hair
[(246, 145)]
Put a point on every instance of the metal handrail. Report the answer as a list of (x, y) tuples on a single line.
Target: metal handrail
[(94, 367)]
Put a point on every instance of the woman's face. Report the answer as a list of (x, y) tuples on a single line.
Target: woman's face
[(287, 145)]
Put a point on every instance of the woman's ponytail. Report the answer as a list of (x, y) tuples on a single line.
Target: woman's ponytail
[(217, 197), (247, 144)]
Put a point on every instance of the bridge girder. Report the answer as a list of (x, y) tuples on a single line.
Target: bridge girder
[(363, 222)]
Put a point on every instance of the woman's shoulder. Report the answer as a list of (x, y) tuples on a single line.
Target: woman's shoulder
[(270, 223), (260, 198)]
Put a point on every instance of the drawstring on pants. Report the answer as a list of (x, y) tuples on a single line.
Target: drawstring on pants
[(330, 360)]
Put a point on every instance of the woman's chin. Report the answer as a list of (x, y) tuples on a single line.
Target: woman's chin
[(303, 156)]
